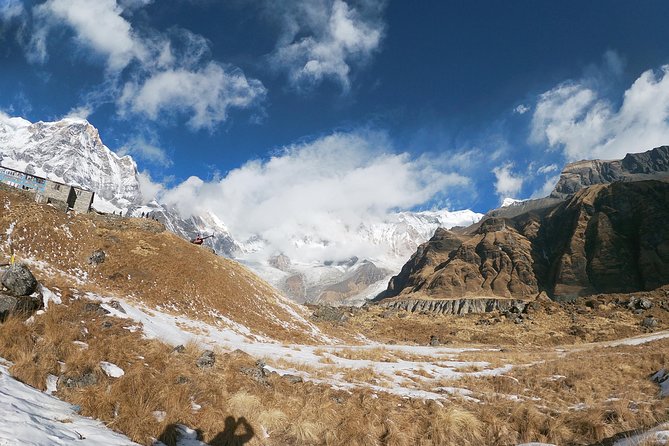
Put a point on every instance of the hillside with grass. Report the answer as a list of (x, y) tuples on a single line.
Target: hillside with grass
[(166, 343)]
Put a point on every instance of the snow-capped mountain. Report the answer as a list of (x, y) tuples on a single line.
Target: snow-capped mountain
[(71, 151)]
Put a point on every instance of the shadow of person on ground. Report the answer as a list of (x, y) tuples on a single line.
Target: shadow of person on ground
[(231, 435), (173, 434)]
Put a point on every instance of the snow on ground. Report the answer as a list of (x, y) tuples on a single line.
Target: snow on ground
[(33, 418), (438, 364)]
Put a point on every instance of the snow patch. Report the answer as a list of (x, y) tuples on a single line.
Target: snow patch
[(33, 418)]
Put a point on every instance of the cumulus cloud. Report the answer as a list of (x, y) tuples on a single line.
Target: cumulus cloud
[(507, 184), (320, 190), (323, 39), (577, 118), (205, 94), (97, 25), (148, 188), (521, 109), (147, 150), (149, 73)]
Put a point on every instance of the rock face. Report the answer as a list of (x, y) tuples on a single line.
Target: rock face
[(494, 262), (353, 283), (19, 281), (456, 306), (611, 238), (634, 167)]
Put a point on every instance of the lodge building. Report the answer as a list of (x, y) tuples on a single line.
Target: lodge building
[(48, 191)]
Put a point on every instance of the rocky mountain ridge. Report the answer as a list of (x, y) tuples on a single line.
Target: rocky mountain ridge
[(609, 236)]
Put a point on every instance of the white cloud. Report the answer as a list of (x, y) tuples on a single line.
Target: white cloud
[(321, 190), (146, 150), (576, 117), (147, 187), (98, 25), (81, 112), (10, 9), (507, 184), (521, 109), (205, 94), (171, 73), (547, 169), (546, 189), (323, 39)]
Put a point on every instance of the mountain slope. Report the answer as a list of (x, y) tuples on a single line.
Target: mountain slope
[(158, 268), (605, 238)]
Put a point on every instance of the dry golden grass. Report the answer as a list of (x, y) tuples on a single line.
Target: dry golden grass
[(551, 324), (145, 261), (604, 391)]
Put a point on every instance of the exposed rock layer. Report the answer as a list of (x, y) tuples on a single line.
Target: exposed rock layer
[(604, 239)]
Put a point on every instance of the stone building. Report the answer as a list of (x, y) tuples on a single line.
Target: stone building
[(61, 195)]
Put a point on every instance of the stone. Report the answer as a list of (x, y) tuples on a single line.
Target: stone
[(645, 304), (434, 341), (24, 305), (206, 360), (649, 322), (182, 380), (94, 307), (116, 305), (257, 372), (19, 281), (97, 257), (7, 306), (327, 313), (88, 378), (293, 379)]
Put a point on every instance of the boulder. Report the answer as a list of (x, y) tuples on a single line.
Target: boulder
[(19, 281), (97, 257), (649, 322), (94, 307), (206, 360), (88, 378), (257, 372), (24, 305)]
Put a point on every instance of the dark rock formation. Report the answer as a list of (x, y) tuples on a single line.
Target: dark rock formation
[(24, 305), (634, 167), (457, 307), (604, 239), (19, 281)]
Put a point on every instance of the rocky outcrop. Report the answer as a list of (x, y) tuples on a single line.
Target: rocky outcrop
[(494, 262), (604, 239), (653, 164), (19, 281), (607, 239), (457, 306), (24, 305)]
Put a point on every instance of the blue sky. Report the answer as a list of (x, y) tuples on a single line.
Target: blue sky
[(414, 105)]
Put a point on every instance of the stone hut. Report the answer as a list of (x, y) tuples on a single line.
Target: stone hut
[(61, 195)]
